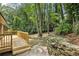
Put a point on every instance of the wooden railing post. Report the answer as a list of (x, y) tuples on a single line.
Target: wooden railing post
[(11, 44)]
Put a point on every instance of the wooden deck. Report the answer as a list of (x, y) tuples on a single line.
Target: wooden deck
[(19, 45)]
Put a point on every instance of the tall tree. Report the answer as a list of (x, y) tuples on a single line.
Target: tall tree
[(62, 13), (47, 16), (39, 14)]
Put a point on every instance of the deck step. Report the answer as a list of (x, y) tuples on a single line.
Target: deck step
[(20, 50)]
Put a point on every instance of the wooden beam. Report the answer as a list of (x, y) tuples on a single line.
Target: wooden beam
[(2, 29)]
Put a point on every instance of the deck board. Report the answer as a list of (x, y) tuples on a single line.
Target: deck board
[(6, 49)]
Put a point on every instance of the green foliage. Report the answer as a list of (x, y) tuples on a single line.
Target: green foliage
[(63, 28), (54, 17), (24, 17)]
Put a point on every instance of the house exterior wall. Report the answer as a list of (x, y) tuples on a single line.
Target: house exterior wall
[(2, 25), (2, 21), (1, 29)]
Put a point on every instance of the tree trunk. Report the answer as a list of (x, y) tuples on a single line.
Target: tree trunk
[(39, 14), (55, 6), (62, 14), (47, 16), (36, 13)]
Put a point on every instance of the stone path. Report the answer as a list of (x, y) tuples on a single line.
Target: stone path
[(36, 50)]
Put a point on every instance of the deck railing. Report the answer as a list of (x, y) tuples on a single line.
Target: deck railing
[(6, 40)]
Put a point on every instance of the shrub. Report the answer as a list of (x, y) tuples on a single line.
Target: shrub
[(63, 28)]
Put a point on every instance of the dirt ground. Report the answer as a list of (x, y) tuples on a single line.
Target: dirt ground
[(73, 38)]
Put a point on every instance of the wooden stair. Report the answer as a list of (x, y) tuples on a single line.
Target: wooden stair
[(20, 46), (19, 50)]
